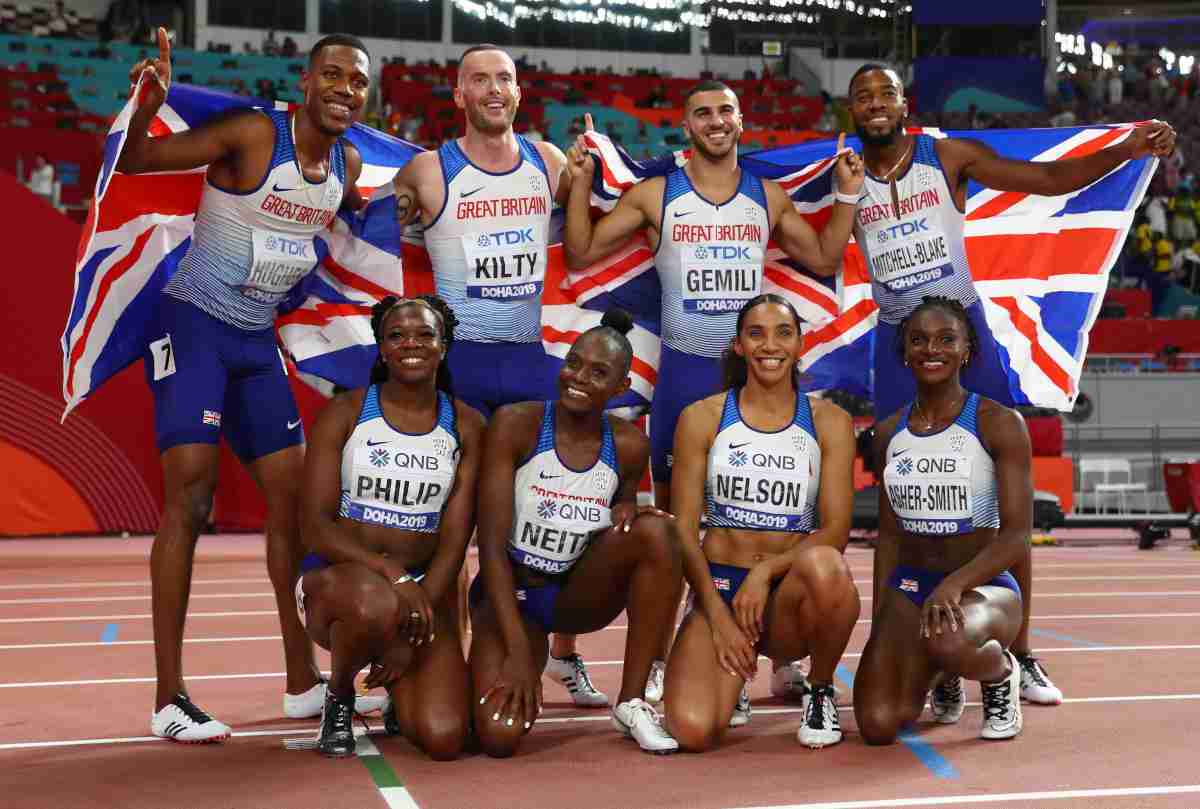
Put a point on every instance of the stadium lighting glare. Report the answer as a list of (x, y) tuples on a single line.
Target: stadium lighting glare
[(673, 15)]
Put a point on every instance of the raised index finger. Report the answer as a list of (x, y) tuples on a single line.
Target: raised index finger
[(587, 122), (164, 45), (841, 142)]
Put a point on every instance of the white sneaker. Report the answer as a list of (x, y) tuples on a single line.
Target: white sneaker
[(743, 710), (790, 682), (571, 672), (654, 683), (1002, 704), (642, 723), (1035, 683), (821, 726), (181, 721), (310, 704), (947, 701)]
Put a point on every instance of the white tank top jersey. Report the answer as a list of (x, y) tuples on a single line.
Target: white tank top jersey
[(710, 262), (488, 245), (248, 250), (942, 484), (557, 509), (397, 479), (920, 251), (761, 481)]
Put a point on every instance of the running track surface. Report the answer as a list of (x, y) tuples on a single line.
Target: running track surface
[(1118, 629)]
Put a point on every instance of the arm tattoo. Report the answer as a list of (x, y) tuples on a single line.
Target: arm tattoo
[(403, 206)]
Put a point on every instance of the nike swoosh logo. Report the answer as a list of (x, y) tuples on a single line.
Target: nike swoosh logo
[(279, 190), (899, 452), (293, 424), (739, 446), (469, 193), (371, 443), (544, 476), (683, 213)]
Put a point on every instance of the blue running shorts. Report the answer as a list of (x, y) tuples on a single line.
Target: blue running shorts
[(210, 378), (985, 373), (535, 603), (918, 583), (489, 375), (682, 380)]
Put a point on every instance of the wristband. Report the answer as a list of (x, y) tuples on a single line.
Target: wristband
[(402, 579), (849, 199)]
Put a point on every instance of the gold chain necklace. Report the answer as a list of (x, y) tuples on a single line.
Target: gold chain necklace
[(927, 418)]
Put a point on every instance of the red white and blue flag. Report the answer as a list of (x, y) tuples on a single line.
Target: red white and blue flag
[(1040, 263)]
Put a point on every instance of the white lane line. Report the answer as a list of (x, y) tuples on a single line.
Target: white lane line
[(87, 644), (58, 585), (238, 614), (1070, 617), (106, 599), (1129, 563), (261, 675), (1003, 797), (98, 599), (590, 717), (129, 617)]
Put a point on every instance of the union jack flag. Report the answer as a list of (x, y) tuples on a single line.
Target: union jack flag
[(1040, 264), (1042, 289)]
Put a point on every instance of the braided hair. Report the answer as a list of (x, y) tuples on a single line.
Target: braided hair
[(734, 369), (950, 306), (615, 325), (446, 323)]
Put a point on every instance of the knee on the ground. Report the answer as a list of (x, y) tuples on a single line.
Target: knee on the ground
[(498, 739), (694, 731), (877, 724), (441, 734)]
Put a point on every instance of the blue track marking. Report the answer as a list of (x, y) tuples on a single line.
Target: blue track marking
[(924, 751)]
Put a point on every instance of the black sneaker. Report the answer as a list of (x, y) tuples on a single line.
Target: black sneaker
[(337, 727), (391, 725)]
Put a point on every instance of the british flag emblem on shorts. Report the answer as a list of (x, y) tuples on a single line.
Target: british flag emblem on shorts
[(910, 585), (212, 417), (721, 584)]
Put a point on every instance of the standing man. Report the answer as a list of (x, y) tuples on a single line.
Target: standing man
[(484, 201), (274, 180), (708, 223), (909, 226)]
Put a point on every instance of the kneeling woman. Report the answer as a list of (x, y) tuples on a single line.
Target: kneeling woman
[(563, 546), (955, 513), (388, 508), (761, 461)]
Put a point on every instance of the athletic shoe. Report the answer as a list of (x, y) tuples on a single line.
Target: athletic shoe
[(571, 672), (337, 727), (1035, 683), (654, 683), (181, 721), (743, 710), (946, 702), (821, 726), (1002, 704), (790, 682), (391, 725), (309, 704), (638, 720)]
